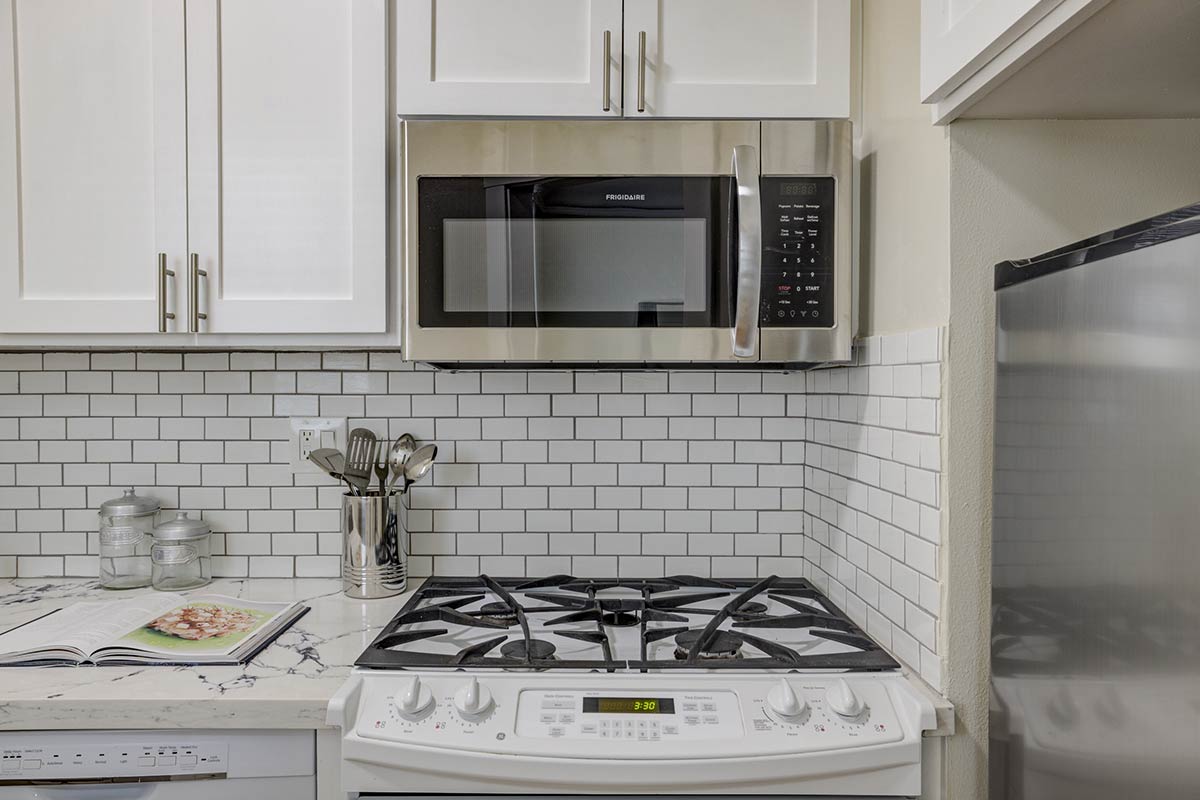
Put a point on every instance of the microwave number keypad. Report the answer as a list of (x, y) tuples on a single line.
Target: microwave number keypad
[(797, 258)]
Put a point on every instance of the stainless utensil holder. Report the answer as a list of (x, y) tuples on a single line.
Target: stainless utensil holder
[(374, 545)]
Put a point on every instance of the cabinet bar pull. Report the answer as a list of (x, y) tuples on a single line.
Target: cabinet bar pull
[(641, 72), (607, 69), (194, 313), (163, 274)]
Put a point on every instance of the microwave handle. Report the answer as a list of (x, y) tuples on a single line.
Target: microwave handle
[(749, 252)]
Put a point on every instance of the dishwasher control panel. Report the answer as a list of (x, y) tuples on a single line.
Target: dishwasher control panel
[(42, 757)]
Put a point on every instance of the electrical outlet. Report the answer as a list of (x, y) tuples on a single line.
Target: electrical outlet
[(312, 433), (309, 441)]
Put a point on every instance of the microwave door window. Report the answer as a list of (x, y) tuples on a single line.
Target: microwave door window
[(485, 257), (620, 267), (561, 252)]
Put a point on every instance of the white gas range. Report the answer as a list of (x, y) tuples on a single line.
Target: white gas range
[(677, 685)]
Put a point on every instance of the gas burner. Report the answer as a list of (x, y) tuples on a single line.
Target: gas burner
[(498, 612), (753, 607), (723, 645), (538, 649), (620, 619)]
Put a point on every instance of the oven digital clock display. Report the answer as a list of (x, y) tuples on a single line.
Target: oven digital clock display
[(628, 705)]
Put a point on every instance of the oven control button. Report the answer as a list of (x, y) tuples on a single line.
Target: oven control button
[(414, 699), (784, 701), (473, 699), (842, 700)]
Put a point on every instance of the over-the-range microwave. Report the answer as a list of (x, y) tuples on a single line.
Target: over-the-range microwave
[(621, 243)]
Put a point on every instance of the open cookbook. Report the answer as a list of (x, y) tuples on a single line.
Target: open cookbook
[(150, 629)]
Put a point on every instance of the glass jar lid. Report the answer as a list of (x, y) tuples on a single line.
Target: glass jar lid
[(129, 504), (181, 528)]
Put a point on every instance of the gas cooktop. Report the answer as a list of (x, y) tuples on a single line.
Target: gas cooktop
[(614, 625)]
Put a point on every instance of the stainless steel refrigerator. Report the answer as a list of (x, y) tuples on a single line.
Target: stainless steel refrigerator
[(1095, 640)]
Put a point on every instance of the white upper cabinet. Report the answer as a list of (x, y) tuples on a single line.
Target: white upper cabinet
[(637, 58), (751, 58), (287, 169), (508, 57), (960, 36), (1060, 59), (92, 164)]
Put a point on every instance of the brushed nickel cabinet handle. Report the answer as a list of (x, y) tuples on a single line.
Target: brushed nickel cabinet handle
[(641, 106), (607, 70), (163, 274), (194, 312)]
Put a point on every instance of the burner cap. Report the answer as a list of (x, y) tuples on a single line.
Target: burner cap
[(753, 607), (538, 649), (498, 611), (619, 619), (723, 645)]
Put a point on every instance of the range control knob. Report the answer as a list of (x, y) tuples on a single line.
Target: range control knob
[(784, 702), (842, 700), (473, 699), (414, 699)]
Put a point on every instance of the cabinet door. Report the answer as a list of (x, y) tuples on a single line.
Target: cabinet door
[(960, 36), (752, 58), (287, 164), (508, 57), (92, 163)]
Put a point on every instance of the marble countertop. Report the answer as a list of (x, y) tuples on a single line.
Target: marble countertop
[(287, 686)]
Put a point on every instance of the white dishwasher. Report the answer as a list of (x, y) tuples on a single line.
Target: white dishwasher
[(157, 765)]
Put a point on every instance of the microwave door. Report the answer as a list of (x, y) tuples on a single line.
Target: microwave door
[(629, 253)]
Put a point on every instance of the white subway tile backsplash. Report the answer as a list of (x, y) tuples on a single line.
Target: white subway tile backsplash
[(872, 521), (834, 473)]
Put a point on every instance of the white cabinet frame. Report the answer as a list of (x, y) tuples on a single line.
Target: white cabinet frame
[(363, 308), (421, 91), (69, 310)]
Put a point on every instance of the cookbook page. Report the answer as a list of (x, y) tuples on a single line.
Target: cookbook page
[(201, 625), (86, 626)]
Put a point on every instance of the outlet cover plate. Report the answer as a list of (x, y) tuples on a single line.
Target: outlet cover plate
[(325, 432)]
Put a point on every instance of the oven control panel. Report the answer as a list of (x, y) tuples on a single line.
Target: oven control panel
[(647, 716), (596, 716), (797, 252)]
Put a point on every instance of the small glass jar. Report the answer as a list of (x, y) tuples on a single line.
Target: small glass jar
[(182, 554), (126, 528)]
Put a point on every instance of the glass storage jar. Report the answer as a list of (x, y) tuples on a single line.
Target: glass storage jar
[(182, 554), (126, 529)]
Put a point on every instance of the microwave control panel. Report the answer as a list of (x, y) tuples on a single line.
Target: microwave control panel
[(797, 258)]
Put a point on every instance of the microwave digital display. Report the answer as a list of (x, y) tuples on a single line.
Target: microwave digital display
[(798, 189)]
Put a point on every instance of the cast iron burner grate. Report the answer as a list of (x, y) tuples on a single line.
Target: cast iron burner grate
[(598, 608)]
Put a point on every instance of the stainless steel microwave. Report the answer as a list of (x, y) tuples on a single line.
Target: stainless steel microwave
[(618, 242)]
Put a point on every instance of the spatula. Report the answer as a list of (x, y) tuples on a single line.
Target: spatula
[(331, 462), (360, 459)]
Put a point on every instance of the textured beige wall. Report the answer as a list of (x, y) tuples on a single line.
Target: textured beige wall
[(904, 257), (1018, 188)]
